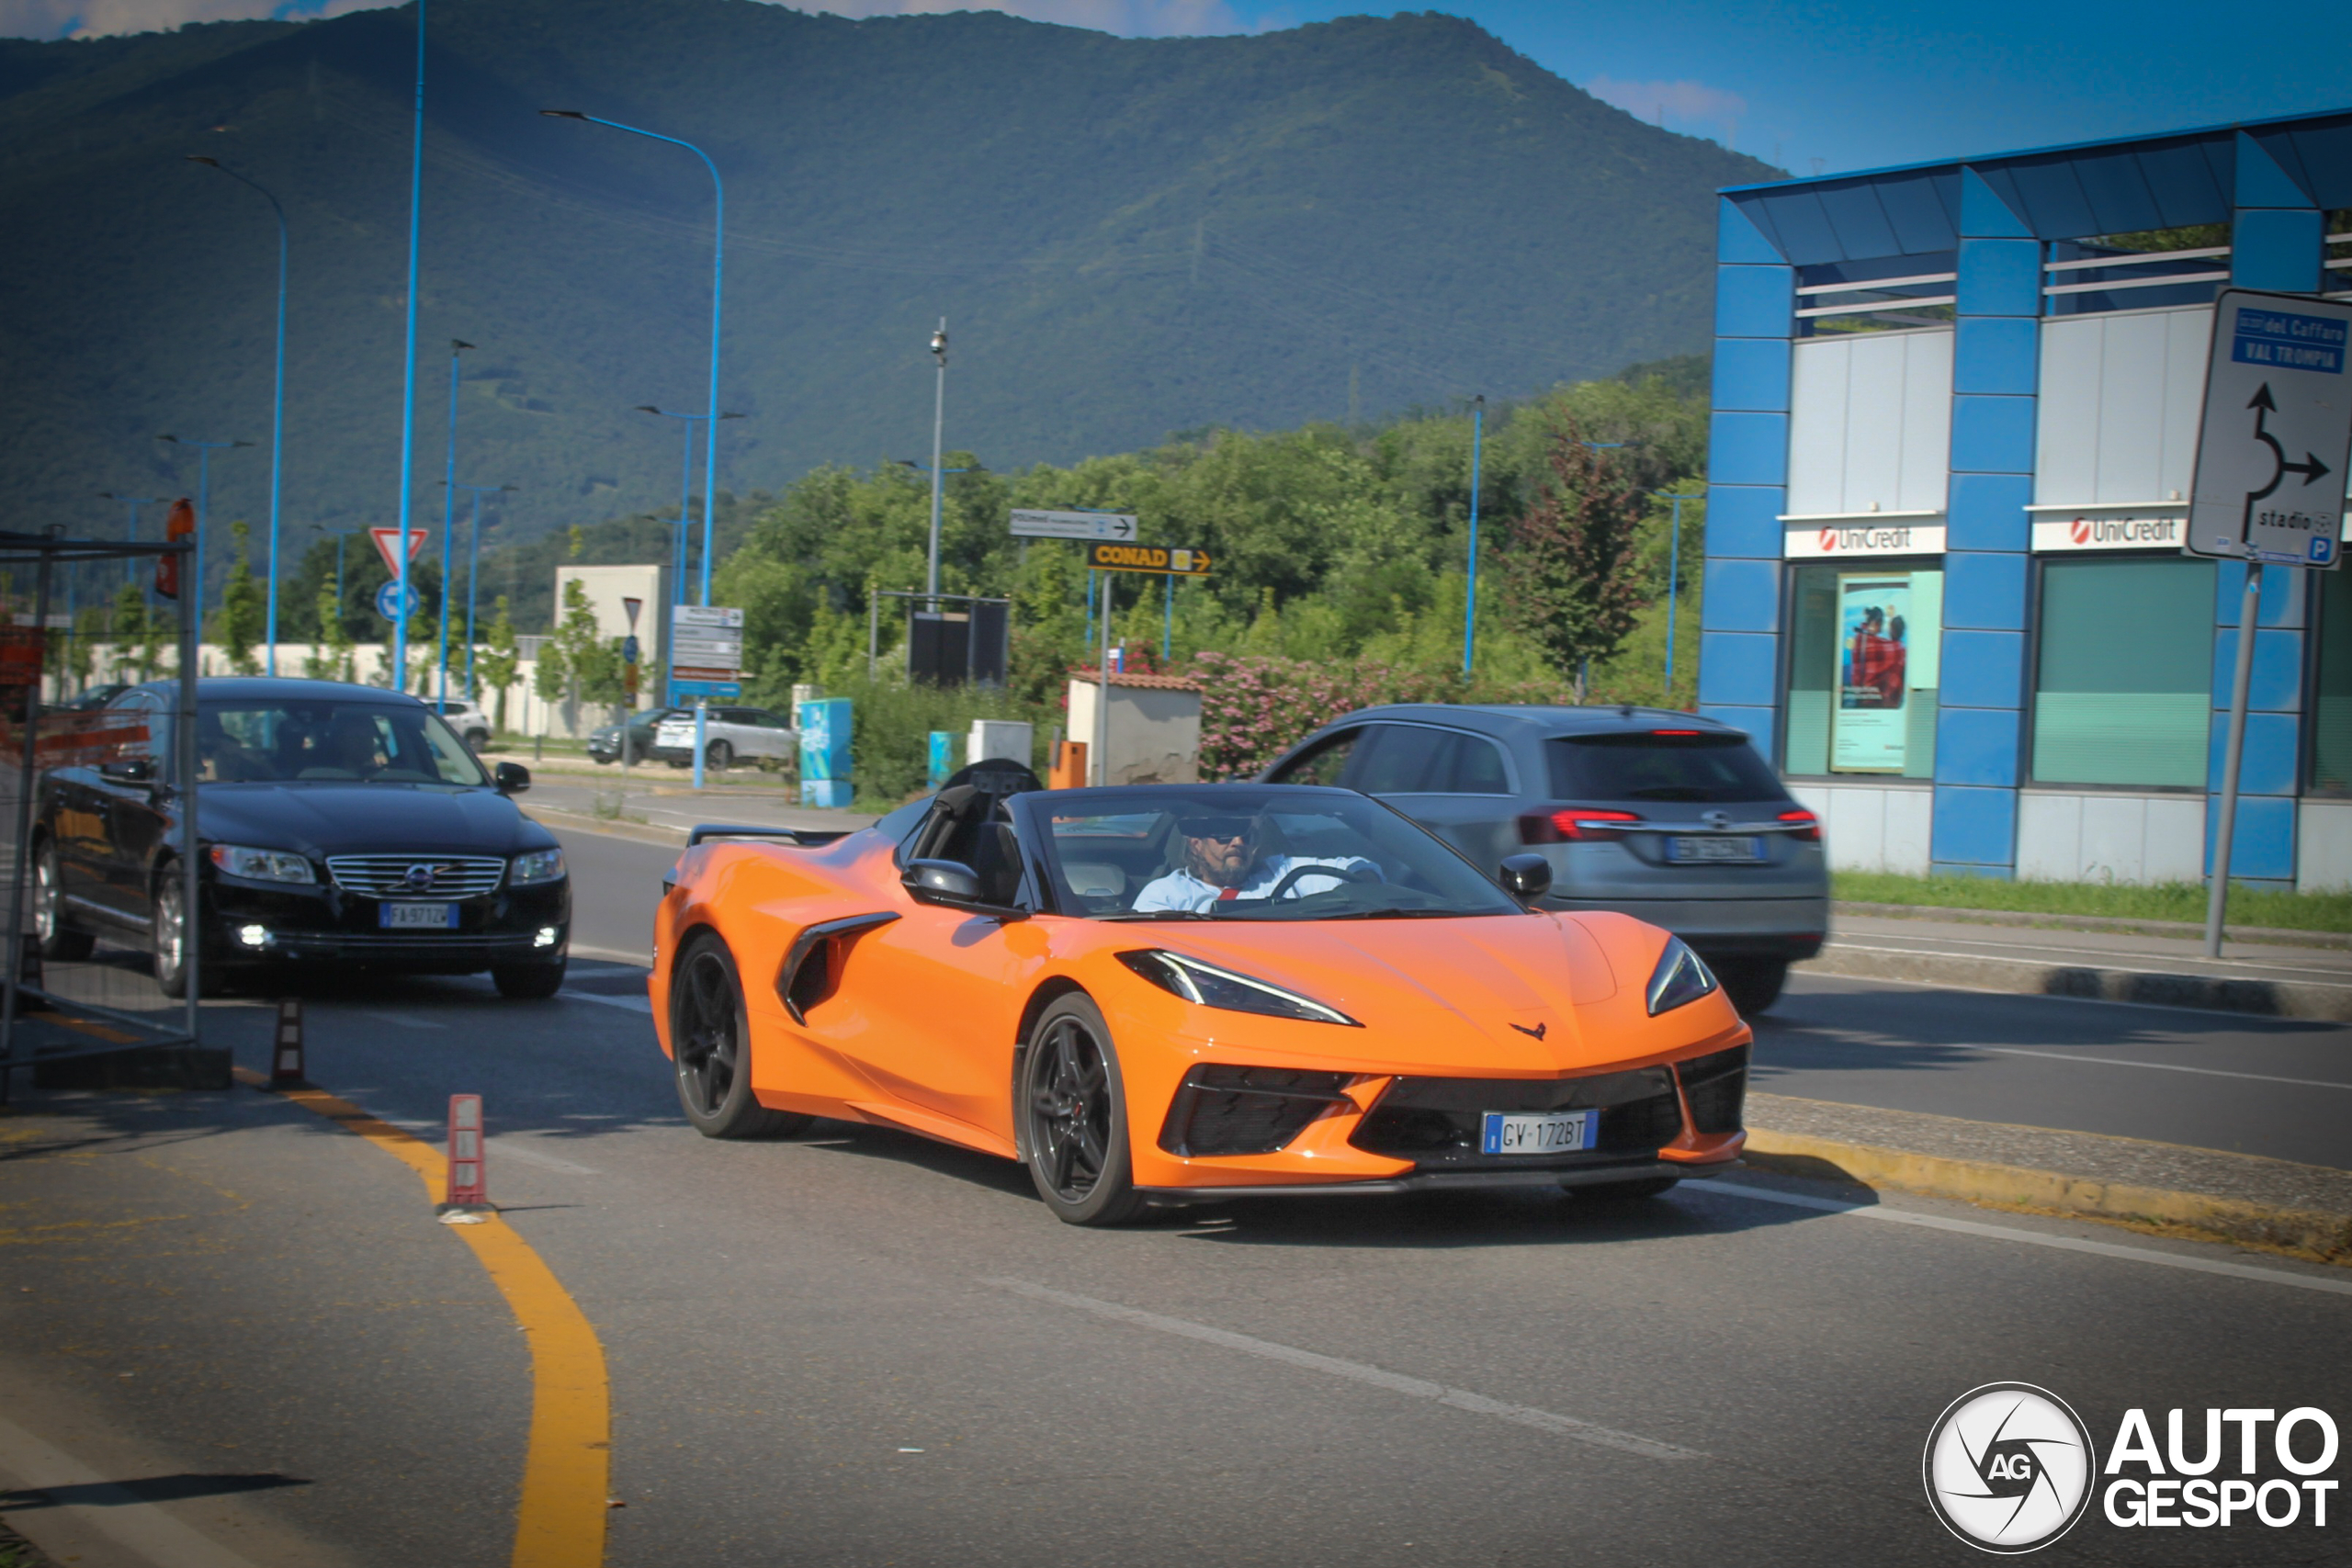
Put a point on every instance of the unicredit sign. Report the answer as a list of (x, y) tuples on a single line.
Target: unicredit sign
[(1817, 541), (2093, 533)]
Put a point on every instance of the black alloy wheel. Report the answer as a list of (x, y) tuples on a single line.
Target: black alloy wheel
[(169, 934), (1074, 1119), (57, 940), (1752, 984), (710, 1041)]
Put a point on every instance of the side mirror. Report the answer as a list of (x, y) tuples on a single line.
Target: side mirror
[(949, 882), (1525, 875), (513, 778), (128, 770)]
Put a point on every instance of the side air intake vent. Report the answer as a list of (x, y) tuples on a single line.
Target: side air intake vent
[(1715, 1087), (1246, 1111)]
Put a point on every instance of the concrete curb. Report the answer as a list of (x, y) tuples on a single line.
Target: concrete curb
[(2303, 1233), (2025, 976), (580, 822)]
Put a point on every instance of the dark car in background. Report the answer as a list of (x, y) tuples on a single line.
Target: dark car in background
[(605, 741), (337, 824), (1673, 820)]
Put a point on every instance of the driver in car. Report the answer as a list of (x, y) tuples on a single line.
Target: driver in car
[(1223, 862)]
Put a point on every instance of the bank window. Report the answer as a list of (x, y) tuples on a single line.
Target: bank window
[(2331, 694), (1865, 662), (2123, 676)]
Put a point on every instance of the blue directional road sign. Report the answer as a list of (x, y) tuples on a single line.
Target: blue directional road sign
[(631, 650), (388, 599)]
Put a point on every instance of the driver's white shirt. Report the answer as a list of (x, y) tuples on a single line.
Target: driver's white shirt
[(1180, 889)]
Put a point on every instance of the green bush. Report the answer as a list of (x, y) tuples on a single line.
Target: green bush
[(2162, 901)]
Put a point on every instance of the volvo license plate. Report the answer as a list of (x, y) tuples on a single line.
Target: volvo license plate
[(1538, 1132), (417, 916), (1731, 850)]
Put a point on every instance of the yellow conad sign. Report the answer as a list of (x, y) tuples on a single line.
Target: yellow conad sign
[(1149, 557)]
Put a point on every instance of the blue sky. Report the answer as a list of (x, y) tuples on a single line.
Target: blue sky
[(1852, 85)]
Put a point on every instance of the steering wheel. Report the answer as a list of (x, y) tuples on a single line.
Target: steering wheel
[(1344, 872)]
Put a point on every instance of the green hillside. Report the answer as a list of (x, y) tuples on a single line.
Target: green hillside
[(1130, 238)]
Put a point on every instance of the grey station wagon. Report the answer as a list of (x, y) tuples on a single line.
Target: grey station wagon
[(1670, 818)]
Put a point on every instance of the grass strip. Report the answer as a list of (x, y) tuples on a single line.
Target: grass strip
[(2158, 901)]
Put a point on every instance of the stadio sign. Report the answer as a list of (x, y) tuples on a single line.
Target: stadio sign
[(2060, 535), (1811, 541)]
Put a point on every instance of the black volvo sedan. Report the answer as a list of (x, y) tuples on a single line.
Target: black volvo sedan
[(338, 825)]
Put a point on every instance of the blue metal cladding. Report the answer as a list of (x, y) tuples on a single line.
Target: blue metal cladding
[(1972, 829), (2282, 596), (1738, 240), (1757, 722), (1738, 669), (1752, 374), (1748, 449), (1985, 590), (2272, 750), (2262, 166), (1991, 434), (2278, 675), (1743, 595), (1987, 512), (1982, 669), (2277, 248), (2263, 848), (2001, 277), (1977, 746), (1744, 520), (1755, 301), (1996, 354)]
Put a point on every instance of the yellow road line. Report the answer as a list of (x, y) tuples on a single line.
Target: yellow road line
[(559, 1522)]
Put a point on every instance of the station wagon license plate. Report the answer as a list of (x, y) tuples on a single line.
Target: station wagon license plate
[(417, 916), (1717, 850), (1538, 1132)]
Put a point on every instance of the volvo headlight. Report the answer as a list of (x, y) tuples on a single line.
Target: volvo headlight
[(539, 865), (263, 865), (1213, 988), (1680, 977)]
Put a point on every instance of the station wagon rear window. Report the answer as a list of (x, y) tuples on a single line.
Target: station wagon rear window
[(1704, 766)]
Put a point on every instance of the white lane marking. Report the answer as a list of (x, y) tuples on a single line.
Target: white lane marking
[(2158, 1067), (406, 1021), (615, 955), (2031, 1239), (628, 1004), (139, 1527), (1357, 1372)]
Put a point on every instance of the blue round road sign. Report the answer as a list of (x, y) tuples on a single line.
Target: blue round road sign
[(631, 650), (388, 599)]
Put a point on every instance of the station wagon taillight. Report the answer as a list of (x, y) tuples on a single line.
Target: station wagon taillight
[(1805, 825), (1573, 824)]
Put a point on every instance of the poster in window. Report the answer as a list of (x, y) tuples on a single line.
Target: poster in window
[(1873, 659)]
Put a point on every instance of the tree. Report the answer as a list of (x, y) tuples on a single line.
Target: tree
[(138, 635), (241, 621), (337, 661), (501, 659), (587, 664), (1571, 572), (81, 647)]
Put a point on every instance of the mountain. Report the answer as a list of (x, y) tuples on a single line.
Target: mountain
[(1128, 237)]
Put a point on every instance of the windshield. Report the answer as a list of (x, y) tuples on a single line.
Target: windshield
[(324, 741), (1252, 852)]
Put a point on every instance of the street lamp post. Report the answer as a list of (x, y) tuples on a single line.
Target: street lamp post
[(1673, 582), (204, 450), (473, 572), (277, 403), (448, 507), (1470, 591), (685, 482), (938, 427), (408, 376)]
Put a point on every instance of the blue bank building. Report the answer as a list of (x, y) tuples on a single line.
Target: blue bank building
[(1955, 415)]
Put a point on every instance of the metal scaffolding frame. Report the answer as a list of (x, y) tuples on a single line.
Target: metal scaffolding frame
[(19, 993)]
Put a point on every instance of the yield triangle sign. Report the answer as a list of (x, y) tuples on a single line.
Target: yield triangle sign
[(384, 537)]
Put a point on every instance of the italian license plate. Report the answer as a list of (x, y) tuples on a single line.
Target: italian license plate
[(417, 916), (1539, 1132), (1715, 849)]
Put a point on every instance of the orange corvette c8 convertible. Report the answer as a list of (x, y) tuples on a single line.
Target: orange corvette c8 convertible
[(1171, 994)]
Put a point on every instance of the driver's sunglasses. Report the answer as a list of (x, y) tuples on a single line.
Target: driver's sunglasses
[(1218, 833)]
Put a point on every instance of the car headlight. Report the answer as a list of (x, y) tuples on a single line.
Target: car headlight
[(263, 865), (1680, 977), (539, 865), (1213, 988)]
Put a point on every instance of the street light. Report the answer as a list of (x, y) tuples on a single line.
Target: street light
[(448, 501), (1673, 581), (277, 401), (685, 482), (938, 424), (717, 278), (408, 372), (473, 574), (203, 510)]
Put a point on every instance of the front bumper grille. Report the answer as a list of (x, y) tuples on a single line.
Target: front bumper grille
[(1436, 1122), (1715, 1087), (1246, 1111), (417, 876)]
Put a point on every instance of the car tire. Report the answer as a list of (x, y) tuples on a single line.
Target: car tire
[(719, 756), (604, 762), (710, 1043), (1627, 1191), (1072, 1102), (528, 982), (167, 933), (1752, 984), (58, 940), (477, 738)]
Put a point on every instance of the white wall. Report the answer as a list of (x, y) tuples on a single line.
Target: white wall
[(1870, 424), (1155, 735), (2120, 399), (1871, 827), (2323, 847), (607, 586), (2111, 837)]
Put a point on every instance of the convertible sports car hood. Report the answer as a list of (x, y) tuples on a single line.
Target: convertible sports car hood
[(1512, 982), (331, 818)]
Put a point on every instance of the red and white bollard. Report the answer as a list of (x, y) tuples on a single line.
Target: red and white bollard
[(468, 1188), (286, 1055)]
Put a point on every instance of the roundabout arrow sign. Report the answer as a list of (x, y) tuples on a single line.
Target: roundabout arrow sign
[(2278, 421)]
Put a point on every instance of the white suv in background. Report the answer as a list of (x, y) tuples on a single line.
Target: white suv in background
[(733, 732), (471, 724)]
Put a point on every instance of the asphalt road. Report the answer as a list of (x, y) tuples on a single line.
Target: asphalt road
[(856, 1347)]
